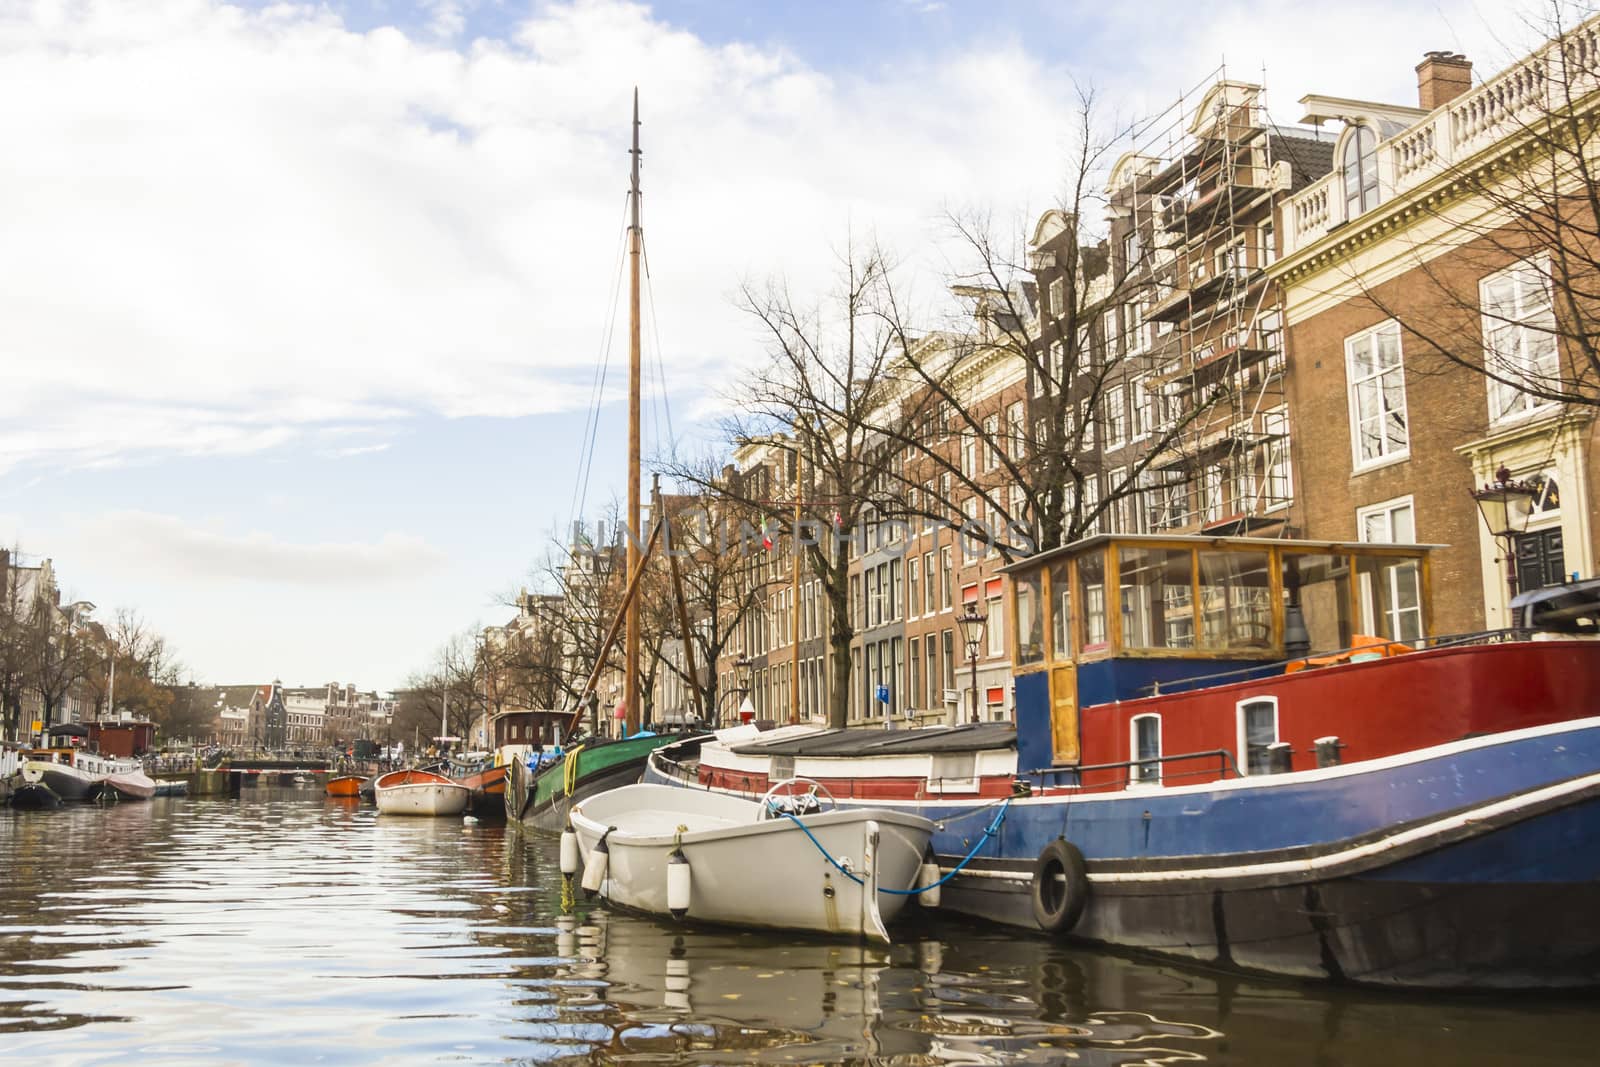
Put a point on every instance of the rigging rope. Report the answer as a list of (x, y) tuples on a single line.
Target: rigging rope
[(988, 832), (580, 489)]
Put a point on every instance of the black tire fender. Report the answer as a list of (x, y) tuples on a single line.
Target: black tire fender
[(1060, 886)]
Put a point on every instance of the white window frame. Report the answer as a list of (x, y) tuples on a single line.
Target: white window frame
[(1387, 508), (1242, 756), (1367, 601), (1352, 392), (1142, 415), (1134, 771), (1277, 453), (1115, 408), (1134, 327), (1508, 404)]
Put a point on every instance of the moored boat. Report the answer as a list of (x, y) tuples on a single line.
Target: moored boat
[(1252, 753), (73, 774), (487, 784), (28, 791), (171, 787), (129, 785), (345, 785), (538, 793), (775, 864), (417, 792)]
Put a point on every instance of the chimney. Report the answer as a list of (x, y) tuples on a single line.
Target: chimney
[(1441, 77)]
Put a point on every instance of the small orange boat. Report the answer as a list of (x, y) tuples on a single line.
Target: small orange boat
[(346, 785)]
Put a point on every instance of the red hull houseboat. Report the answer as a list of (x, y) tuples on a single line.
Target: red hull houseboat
[(1255, 753)]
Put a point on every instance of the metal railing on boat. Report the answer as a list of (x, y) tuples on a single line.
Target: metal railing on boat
[(1224, 757)]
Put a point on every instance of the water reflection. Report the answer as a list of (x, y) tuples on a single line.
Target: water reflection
[(284, 926)]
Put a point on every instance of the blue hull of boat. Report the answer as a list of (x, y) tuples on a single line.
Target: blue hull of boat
[(1473, 864)]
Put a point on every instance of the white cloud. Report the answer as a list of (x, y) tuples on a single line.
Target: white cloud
[(165, 546), (233, 226), (230, 213)]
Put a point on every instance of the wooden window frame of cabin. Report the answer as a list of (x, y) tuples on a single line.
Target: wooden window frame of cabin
[(1372, 549), (1114, 646)]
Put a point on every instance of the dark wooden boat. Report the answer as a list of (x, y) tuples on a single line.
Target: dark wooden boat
[(346, 785), (34, 796), (488, 785)]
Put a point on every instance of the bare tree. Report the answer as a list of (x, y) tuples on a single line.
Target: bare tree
[(61, 652), (810, 405), (1027, 467), (15, 612)]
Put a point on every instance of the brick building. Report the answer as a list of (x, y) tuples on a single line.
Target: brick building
[(1411, 239)]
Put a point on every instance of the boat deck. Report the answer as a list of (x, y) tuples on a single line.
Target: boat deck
[(968, 737)]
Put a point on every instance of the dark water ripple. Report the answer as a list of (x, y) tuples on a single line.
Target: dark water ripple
[(286, 928)]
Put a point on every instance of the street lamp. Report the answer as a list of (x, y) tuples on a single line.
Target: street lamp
[(972, 624), (741, 677), (1505, 506)]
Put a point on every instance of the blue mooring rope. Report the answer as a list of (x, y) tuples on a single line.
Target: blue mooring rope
[(988, 832)]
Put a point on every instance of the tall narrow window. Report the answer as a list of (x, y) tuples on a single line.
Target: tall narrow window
[(1360, 166), (1116, 417), (1377, 395), (1519, 340), (1390, 590), (1145, 743), (1258, 728)]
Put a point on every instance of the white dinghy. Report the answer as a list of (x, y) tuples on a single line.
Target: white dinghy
[(788, 861), (414, 792)]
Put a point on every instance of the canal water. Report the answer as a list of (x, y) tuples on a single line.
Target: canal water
[(283, 927)]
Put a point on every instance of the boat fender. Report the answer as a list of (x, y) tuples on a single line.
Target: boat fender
[(679, 883), (1060, 886), (594, 872), (928, 876), (570, 859)]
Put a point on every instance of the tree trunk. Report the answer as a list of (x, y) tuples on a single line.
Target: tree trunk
[(840, 633)]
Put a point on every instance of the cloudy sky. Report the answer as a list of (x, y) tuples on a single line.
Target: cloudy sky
[(300, 304)]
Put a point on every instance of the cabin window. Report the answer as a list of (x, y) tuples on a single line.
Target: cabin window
[(1320, 584), (1060, 621), (954, 772), (1235, 600), (1092, 573), (1146, 745), (1258, 729), (1030, 625), (1157, 597), (1391, 597)]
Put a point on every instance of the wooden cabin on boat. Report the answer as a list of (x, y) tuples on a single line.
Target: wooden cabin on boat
[(1194, 658)]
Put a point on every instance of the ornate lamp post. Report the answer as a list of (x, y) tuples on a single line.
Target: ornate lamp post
[(972, 624), (1505, 505)]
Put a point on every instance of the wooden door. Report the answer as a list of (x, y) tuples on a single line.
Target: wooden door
[(1064, 713)]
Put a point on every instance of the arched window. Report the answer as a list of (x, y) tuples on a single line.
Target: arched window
[(1360, 172)]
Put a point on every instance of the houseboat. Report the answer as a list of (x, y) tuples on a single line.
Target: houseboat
[(1257, 754)]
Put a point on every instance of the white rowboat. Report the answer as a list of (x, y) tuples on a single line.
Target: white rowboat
[(717, 858), (419, 793)]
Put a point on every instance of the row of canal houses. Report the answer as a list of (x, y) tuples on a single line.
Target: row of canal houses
[(1280, 331), (275, 716)]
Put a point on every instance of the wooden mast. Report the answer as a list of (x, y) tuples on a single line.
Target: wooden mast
[(635, 244)]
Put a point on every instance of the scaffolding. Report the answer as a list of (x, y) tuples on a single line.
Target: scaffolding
[(1195, 218)]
